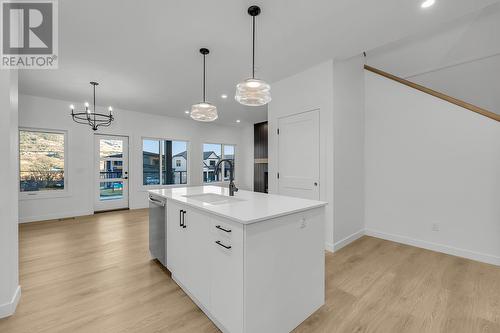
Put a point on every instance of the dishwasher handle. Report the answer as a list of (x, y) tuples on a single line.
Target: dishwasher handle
[(156, 201)]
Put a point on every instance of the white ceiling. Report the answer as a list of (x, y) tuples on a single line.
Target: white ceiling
[(460, 59), (145, 53)]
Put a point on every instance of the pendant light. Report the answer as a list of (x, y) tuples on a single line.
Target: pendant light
[(204, 111), (252, 91)]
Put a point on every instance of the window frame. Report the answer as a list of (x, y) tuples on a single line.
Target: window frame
[(222, 157), (188, 164), (44, 194)]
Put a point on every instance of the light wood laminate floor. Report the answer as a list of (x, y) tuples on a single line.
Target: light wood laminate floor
[(94, 274)]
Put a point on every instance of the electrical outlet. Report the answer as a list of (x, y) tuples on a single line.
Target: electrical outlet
[(435, 227)]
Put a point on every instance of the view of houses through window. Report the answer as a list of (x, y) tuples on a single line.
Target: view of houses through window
[(41, 158), (212, 154), (164, 162)]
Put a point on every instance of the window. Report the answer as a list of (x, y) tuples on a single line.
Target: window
[(212, 154), (41, 161), (164, 162)]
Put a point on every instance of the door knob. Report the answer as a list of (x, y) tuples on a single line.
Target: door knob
[(315, 184)]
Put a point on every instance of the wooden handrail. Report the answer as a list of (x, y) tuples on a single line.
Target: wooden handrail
[(437, 94)]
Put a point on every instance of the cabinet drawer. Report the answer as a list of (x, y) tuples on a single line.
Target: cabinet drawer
[(226, 230)]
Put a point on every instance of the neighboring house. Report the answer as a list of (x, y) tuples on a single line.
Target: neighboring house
[(179, 161), (179, 166), (210, 160)]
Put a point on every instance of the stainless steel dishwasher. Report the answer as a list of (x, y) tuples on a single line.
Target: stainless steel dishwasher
[(157, 228)]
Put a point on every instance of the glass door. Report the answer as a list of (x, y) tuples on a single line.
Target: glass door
[(111, 160)]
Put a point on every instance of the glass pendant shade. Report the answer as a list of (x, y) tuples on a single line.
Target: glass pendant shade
[(204, 111), (253, 92)]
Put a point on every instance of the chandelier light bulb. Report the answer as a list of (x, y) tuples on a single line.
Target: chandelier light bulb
[(72, 107), (86, 104)]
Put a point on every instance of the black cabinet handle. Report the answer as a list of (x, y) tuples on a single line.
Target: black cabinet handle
[(180, 218), (221, 228), (184, 219), (224, 246)]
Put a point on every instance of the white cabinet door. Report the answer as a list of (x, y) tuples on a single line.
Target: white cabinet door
[(175, 240), (226, 281), (197, 264)]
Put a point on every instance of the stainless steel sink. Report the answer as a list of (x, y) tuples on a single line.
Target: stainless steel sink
[(213, 199)]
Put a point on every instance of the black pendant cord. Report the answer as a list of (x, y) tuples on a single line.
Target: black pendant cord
[(204, 52), (94, 103), (204, 77), (253, 47)]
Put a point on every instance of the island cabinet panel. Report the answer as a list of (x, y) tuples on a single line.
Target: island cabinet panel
[(226, 280), (196, 248), (187, 249), (175, 239), (284, 271)]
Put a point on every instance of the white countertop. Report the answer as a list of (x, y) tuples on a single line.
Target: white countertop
[(254, 207)]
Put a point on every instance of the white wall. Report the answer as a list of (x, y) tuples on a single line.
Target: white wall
[(431, 162), (9, 270), (306, 91), (349, 132), (47, 113)]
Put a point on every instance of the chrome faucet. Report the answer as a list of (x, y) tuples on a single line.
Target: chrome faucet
[(232, 187)]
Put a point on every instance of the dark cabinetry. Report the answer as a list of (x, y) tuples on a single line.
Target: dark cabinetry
[(260, 155)]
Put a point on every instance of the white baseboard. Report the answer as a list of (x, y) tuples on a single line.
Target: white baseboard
[(329, 247), (8, 309), (55, 216), (348, 240), (482, 257)]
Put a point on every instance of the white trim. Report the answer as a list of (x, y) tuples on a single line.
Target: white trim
[(329, 247), (348, 240), (55, 216), (8, 309), (482, 257)]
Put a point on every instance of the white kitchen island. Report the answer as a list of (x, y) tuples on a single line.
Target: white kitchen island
[(254, 263)]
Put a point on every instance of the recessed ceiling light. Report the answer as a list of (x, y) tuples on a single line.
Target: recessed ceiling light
[(223, 96), (428, 3), (186, 112), (238, 121)]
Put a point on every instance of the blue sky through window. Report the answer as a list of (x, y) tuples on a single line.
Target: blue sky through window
[(153, 146)]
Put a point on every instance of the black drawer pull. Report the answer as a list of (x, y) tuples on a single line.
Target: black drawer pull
[(224, 246), (184, 219), (221, 228)]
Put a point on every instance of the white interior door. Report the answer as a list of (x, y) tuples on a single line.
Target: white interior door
[(298, 155), (111, 170)]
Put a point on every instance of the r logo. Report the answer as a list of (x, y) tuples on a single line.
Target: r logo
[(27, 28)]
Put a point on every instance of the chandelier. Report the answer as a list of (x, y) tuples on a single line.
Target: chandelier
[(91, 117)]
